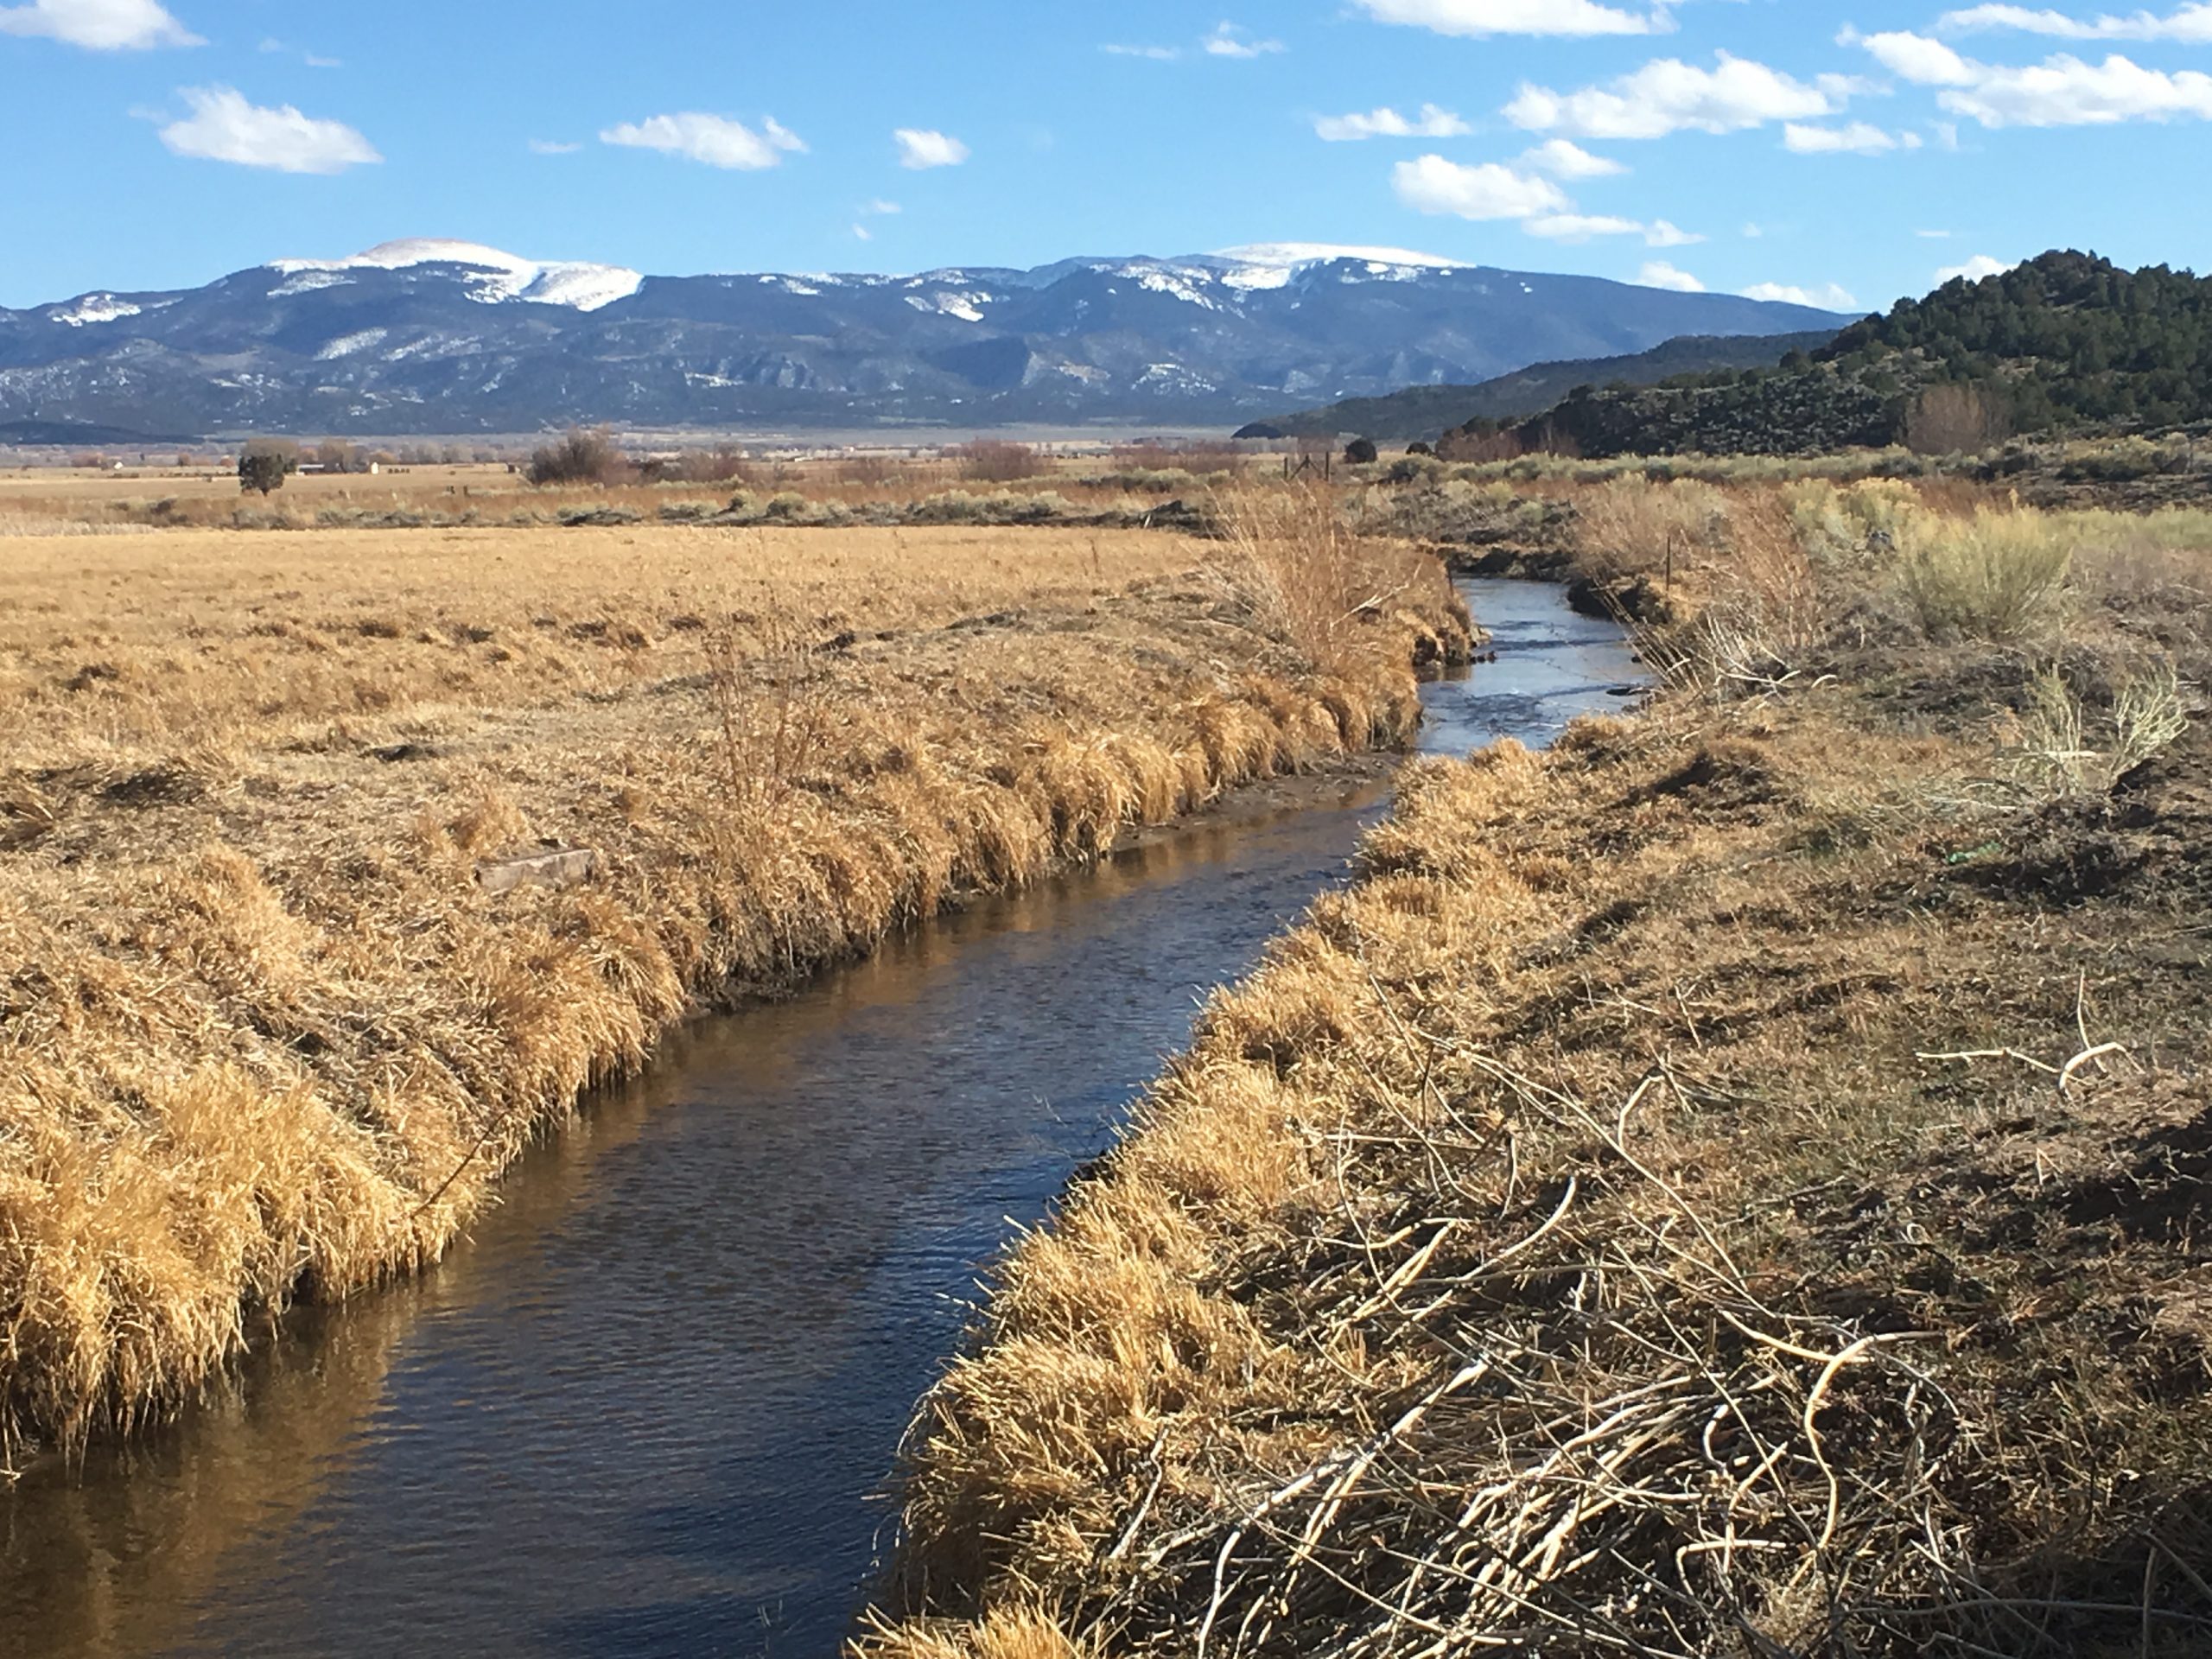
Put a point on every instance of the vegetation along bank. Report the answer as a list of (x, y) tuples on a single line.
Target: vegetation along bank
[(335, 865), (1732, 1185)]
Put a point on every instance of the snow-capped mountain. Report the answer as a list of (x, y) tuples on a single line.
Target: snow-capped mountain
[(504, 275), (449, 337)]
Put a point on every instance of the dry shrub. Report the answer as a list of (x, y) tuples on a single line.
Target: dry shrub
[(1474, 445), (1996, 575), (2067, 748), (771, 717), (1632, 526), (1957, 419), (1312, 577), (580, 457), (994, 460), (721, 465)]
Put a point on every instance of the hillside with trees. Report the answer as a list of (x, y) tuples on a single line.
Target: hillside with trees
[(2067, 342), (1422, 412)]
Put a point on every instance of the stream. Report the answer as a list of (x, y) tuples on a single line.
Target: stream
[(650, 1406)]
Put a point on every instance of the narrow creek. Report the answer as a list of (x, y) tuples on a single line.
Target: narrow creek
[(649, 1407)]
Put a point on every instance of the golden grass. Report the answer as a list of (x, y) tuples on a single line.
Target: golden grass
[(264, 1034), (1734, 1184)]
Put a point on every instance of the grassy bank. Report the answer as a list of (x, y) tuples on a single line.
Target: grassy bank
[(1733, 1184), (265, 1033)]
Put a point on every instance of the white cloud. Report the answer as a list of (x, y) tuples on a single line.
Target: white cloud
[(552, 147), (1564, 159), (882, 207), (98, 25), (224, 127), (1481, 17), (1916, 59), (1433, 185), (2060, 92), (1230, 41), (863, 233), (1580, 227), (921, 148), (1753, 232), (1832, 297), (1854, 138), (2191, 25), (713, 140), (1431, 122), (1669, 96), (1157, 54), (1657, 273), (1975, 269)]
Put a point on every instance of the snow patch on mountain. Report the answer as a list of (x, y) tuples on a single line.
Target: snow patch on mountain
[(964, 306), (309, 282), (94, 308), (346, 345), (497, 276), (1185, 283), (1260, 265)]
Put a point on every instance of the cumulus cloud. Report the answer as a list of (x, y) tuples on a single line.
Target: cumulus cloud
[(1481, 17), (1431, 122), (224, 127), (713, 140), (1657, 273), (2060, 92), (98, 25), (2191, 26), (1230, 41), (921, 148), (1916, 59), (1564, 159), (1854, 138), (1975, 269), (1487, 190), (1669, 96), (1832, 297)]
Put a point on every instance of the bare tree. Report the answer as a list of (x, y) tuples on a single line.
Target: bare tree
[(1956, 419)]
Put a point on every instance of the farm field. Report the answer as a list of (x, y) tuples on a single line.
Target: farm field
[(267, 1035)]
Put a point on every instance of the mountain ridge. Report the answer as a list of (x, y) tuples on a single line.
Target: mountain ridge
[(437, 336)]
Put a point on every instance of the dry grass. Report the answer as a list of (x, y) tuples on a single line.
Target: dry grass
[(50, 501), (1732, 1185), (266, 1037)]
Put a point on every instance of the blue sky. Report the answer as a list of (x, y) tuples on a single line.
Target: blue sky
[(1819, 150)]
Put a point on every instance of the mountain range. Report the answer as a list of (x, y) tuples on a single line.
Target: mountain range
[(453, 337)]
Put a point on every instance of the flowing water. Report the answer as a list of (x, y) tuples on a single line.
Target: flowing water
[(649, 1407)]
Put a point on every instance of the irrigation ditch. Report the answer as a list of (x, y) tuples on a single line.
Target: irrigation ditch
[(650, 1406)]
